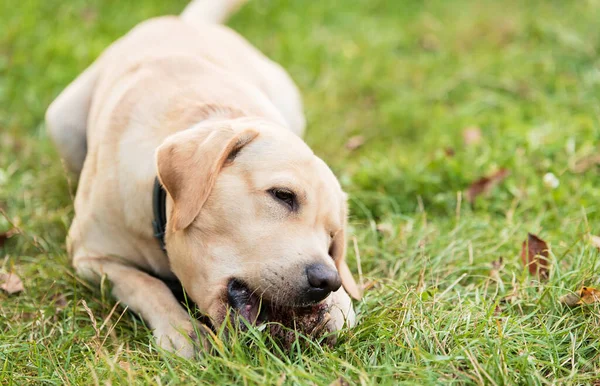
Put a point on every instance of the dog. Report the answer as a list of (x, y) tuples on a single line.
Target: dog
[(187, 144)]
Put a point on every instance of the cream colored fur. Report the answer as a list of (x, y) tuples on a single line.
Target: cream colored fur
[(176, 97)]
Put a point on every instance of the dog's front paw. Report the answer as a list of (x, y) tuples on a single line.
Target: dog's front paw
[(182, 338), (341, 311)]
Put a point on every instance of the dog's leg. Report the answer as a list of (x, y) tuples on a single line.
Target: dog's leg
[(151, 299), (66, 118)]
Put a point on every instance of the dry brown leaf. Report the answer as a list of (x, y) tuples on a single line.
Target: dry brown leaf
[(589, 295), (11, 283), (534, 254), (485, 184), (355, 142), (595, 241), (472, 135), (586, 295), (570, 300), (340, 382)]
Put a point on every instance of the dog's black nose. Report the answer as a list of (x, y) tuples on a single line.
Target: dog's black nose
[(323, 280)]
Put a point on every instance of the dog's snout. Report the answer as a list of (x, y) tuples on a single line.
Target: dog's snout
[(323, 280)]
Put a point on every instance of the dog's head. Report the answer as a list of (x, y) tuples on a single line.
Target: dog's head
[(254, 216)]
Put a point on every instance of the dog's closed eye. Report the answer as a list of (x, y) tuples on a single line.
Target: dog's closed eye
[(286, 197)]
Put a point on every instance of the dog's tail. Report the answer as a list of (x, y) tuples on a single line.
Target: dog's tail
[(210, 11)]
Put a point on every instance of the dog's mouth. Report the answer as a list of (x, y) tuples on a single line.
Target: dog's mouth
[(310, 319), (246, 303)]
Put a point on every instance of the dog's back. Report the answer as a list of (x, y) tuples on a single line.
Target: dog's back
[(195, 35)]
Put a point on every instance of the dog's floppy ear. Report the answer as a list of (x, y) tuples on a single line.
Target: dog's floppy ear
[(188, 164), (338, 252)]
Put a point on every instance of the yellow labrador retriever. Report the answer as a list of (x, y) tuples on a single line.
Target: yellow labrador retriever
[(249, 216)]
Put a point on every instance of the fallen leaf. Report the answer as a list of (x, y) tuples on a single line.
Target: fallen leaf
[(485, 184), (595, 241), (340, 382), (586, 295), (472, 135), (589, 295), (534, 254), (570, 300), (355, 142), (11, 283)]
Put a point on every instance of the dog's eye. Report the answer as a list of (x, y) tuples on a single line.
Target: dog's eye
[(285, 197)]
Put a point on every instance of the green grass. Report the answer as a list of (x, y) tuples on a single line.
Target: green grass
[(409, 76)]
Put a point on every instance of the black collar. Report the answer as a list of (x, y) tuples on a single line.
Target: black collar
[(159, 225), (159, 207)]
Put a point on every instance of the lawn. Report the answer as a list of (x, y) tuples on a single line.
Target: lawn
[(409, 77)]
